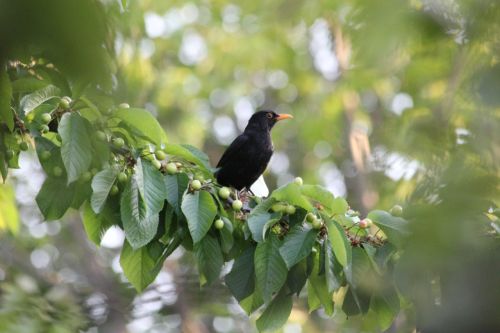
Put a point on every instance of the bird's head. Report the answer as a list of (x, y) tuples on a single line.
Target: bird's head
[(265, 120)]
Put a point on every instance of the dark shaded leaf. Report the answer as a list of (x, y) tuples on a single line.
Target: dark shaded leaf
[(241, 279), (270, 269), (297, 244), (276, 314), (210, 260)]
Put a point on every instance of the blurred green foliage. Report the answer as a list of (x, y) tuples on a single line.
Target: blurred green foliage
[(416, 80)]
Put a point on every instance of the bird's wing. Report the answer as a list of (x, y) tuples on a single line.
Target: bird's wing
[(233, 151)]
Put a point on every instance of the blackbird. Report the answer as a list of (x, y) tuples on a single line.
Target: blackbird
[(248, 155)]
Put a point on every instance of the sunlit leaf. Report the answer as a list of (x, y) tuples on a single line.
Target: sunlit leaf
[(140, 266), (101, 186), (76, 148), (30, 102), (200, 210), (140, 226), (338, 240), (143, 122)]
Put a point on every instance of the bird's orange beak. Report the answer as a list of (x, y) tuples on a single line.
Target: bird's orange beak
[(284, 116)]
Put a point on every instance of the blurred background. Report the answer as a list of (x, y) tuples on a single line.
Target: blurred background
[(394, 102)]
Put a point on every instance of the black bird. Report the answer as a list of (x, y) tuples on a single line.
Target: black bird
[(248, 155)]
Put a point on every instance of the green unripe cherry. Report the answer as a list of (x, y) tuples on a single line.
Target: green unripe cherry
[(310, 217), (122, 177), (86, 176), (23, 146), (118, 142), (196, 184), (46, 118), (65, 102), (224, 193), (317, 224), (57, 171), (45, 155), (172, 168), (237, 205), (397, 210), (160, 155), (124, 106), (278, 208), (114, 190), (298, 181), (44, 129), (101, 135), (219, 224), (156, 164), (290, 210)]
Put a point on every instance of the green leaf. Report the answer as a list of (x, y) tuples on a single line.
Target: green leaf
[(28, 84), (9, 215), (175, 186), (151, 187), (298, 244), (396, 228), (101, 185), (6, 114), (338, 240), (252, 303), (140, 226), (83, 194), (43, 144), (319, 194), (258, 218), (355, 302), (201, 156), (291, 194), (140, 266), (319, 285), (297, 277), (144, 123), (331, 271), (55, 197), (386, 307), (340, 206), (76, 150), (276, 314), (200, 211), (190, 154), (226, 235), (30, 102), (270, 269), (95, 225), (210, 260), (313, 301), (241, 279)]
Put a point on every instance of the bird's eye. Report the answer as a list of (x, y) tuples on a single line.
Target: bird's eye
[(269, 115)]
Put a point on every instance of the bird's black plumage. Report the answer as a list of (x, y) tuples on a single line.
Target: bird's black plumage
[(248, 155)]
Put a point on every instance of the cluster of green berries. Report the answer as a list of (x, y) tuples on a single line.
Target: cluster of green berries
[(315, 221)]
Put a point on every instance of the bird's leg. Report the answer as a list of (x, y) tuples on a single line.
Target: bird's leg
[(245, 198)]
